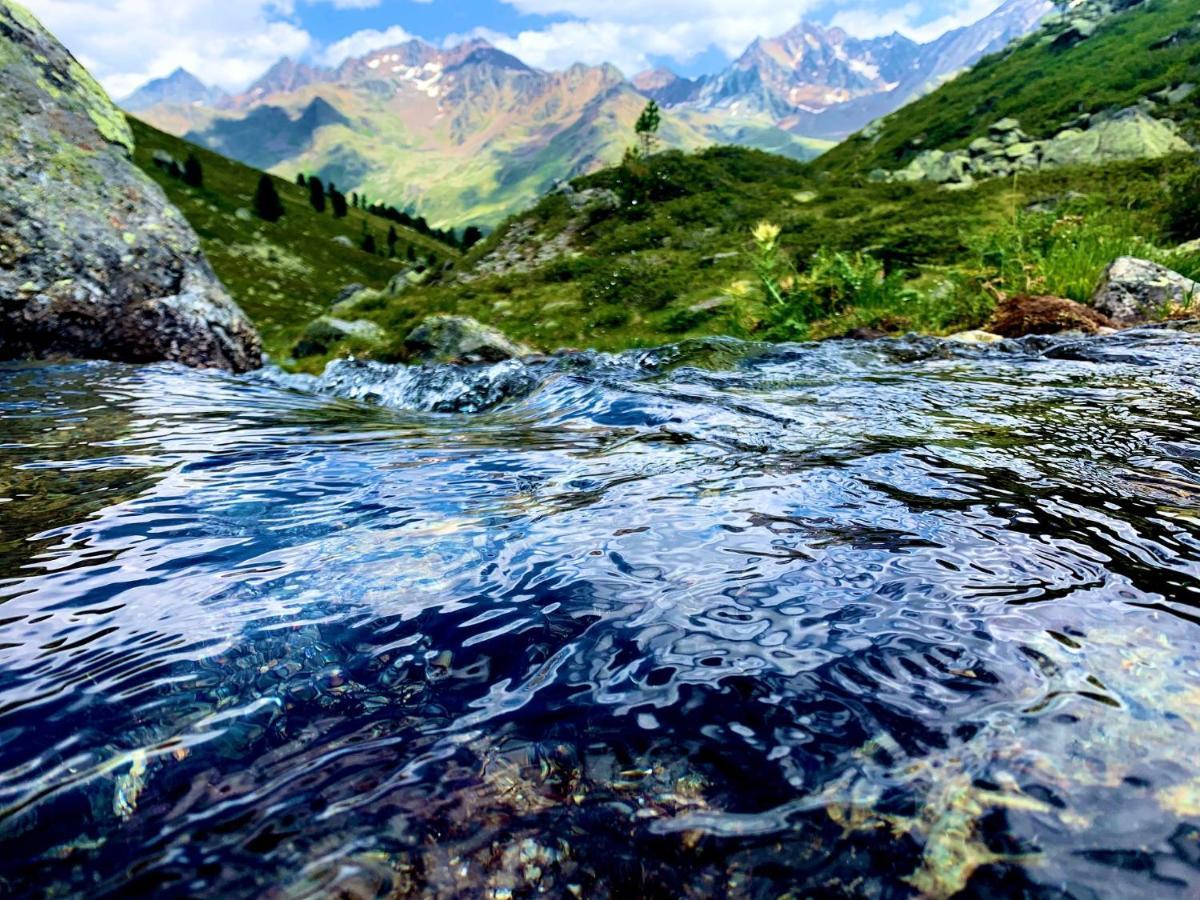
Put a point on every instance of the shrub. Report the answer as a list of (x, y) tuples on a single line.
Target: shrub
[(611, 316), (316, 194), (832, 284), (630, 284)]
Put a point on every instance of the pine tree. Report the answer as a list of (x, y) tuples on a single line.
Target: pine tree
[(316, 194), (647, 127), (354, 200), (392, 239), (193, 172), (368, 243), (267, 205), (471, 237), (411, 254), (300, 180), (338, 201)]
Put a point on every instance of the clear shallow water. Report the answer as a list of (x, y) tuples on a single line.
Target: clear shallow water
[(855, 619)]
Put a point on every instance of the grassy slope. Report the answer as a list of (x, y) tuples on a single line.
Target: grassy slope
[(645, 274), (1042, 87), (283, 274)]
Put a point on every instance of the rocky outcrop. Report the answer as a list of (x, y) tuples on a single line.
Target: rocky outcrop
[(1023, 315), (1130, 134), (1137, 290), (461, 339), (94, 261), (1078, 20)]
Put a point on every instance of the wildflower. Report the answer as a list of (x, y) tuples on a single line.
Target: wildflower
[(739, 290), (766, 234)]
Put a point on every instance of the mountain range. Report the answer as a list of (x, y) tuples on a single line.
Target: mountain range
[(472, 134), (824, 83)]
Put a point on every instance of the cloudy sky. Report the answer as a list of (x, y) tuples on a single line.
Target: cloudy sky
[(230, 42)]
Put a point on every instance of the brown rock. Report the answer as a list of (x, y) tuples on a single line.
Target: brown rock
[(1021, 315)]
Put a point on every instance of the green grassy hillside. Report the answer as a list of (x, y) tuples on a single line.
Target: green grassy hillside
[(1149, 48), (282, 274), (677, 258)]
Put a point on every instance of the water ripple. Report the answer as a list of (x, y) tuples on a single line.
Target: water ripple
[(889, 619)]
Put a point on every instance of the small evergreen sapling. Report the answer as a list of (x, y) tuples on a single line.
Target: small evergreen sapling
[(647, 127), (338, 201)]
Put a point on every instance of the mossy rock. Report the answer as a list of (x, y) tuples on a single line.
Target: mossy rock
[(328, 332), (97, 262)]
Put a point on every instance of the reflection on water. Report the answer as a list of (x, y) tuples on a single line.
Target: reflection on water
[(883, 619)]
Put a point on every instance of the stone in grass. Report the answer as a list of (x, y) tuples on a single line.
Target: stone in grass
[(1023, 315), (328, 332), (461, 339), (1137, 290)]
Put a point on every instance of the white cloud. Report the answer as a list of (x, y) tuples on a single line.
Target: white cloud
[(231, 42), (645, 31), (910, 19), (127, 42), (363, 42)]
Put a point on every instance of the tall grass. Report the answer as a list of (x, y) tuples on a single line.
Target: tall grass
[(1063, 256)]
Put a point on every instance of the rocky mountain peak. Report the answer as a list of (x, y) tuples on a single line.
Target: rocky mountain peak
[(180, 88)]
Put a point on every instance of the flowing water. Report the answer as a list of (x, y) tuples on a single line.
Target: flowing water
[(880, 619)]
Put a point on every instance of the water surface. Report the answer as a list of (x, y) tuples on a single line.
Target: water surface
[(887, 619)]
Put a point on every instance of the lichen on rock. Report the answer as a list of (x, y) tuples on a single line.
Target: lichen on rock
[(94, 260), (1137, 290)]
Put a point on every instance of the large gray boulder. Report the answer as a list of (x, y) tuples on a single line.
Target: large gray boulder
[(461, 339), (1137, 290), (94, 260), (1127, 135)]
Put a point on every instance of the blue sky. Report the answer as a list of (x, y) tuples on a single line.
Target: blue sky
[(230, 42)]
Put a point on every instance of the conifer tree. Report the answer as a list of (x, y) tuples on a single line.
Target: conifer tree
[(368, 243), (316, 194), (267, 205), (193, 172), (471, 237), (392, 239), (338, 201), (300, 180), (647, 127)]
